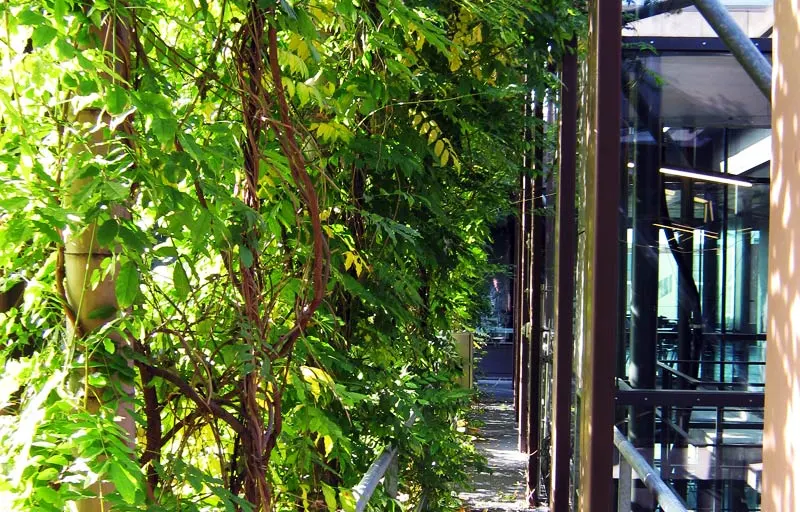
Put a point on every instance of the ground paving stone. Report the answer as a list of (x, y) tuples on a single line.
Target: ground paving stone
[(504, 488)]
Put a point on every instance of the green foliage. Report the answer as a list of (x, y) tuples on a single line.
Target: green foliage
[(408, 120)]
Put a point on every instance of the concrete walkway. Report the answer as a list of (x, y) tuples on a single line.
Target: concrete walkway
[(504, 488)]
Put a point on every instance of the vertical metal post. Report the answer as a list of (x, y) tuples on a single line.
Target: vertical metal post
[(684, 303), (515, 316), (565, 285), (524, 288), (603, 215), (537, 282), (644, 300), (724, 302), (624, 486)]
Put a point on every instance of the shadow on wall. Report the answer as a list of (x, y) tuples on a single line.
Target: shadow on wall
[(781, 480)]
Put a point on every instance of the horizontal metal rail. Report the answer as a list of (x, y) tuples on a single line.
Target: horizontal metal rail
[(699, 382), (700, 361), (665, 496), (372, 478), (626, 395)]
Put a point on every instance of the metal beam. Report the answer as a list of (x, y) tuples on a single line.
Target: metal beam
[(689, 398), (602, 220), (566, 243), (751, 59)]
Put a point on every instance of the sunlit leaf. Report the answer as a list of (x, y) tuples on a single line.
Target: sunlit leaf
[(127, 285)]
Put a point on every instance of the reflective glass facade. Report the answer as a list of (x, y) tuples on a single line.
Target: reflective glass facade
[(695, 152)]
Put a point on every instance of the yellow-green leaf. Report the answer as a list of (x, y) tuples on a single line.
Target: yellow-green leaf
[(439, 148), (330, 495), (445, 157)]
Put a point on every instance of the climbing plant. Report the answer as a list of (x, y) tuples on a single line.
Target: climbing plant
[(235, 236)]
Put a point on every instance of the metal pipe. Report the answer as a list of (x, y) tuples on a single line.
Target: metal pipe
[(666, 497), (369, 482), (363, 491), (751, 59)]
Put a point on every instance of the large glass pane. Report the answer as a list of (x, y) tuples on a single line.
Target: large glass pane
[(696, 268)]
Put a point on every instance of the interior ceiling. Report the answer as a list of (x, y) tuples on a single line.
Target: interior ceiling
[(706, 89)]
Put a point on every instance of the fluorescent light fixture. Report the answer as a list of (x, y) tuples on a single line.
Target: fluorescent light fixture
[(631, 165), (706, 176)]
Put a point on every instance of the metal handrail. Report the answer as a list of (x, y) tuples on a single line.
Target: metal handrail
[(363, 491), (667, 499)]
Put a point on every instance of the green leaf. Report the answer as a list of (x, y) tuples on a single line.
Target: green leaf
[(31, 18), (115, 191), (164, 129), (287, 8), (11, 204), (127, 286), (116, 99), (42, 35), (47, 474), (107, 232), (109, 345), (180, 280), (124, 482), (65, 50), (102, 312), (200, 228), (246, 256)]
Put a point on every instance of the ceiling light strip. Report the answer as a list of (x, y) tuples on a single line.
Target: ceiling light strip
[(703, 176)]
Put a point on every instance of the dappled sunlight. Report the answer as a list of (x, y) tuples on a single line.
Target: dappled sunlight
[(503, 486), (781, 481)]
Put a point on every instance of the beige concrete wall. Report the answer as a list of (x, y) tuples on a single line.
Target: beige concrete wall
[(781, 479), (755, 21)]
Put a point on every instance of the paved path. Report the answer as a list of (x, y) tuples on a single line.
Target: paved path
[(504, 488)]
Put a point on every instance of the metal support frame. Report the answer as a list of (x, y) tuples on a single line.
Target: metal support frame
[(751, 59), (665, 496), (603, 174), (565, 285), (523, 335), (537, 257)]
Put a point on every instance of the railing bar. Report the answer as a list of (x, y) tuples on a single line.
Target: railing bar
[(756, 363), (666, 497), (685, 376), (366, 487), (369, 482)]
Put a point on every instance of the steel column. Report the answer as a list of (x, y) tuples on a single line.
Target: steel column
[(603, 216), (537, 252), (565, 286)]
